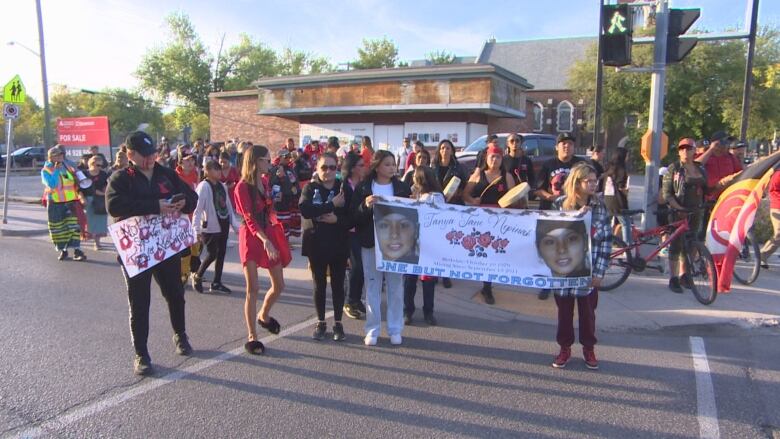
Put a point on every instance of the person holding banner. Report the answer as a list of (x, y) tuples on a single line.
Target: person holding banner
[(261, 243), (326, 240), (447, 170), (425, 188), (62, 196), (485, 187), (562, 249), (381, 181), (147, 188)]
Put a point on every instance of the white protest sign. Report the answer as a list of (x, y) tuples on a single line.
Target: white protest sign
[(144, 241), (536, 249)]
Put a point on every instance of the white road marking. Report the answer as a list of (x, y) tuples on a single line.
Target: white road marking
[(59, 423), (705, 393)]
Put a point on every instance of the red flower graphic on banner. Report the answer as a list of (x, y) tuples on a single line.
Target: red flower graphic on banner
[(477, 243), (469, 242), (485, 239)]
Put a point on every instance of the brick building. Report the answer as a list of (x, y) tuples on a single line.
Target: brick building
[(460, 102)]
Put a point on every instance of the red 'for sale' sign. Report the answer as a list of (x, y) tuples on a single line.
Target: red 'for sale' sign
[(83, 131)]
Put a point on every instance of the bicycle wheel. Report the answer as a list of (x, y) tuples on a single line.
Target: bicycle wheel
[(748, 264), (701, 269), (619, 266)]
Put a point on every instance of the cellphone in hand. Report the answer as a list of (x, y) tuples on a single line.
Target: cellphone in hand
[(176, 198)]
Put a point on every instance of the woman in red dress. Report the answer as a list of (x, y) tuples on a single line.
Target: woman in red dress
[(261, 243)]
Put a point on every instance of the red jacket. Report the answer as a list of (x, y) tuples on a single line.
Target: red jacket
[(774, 190)]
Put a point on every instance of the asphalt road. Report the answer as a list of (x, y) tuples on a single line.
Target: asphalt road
[(66, 359)]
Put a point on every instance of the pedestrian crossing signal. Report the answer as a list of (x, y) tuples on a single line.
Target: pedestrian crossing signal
[(14, 92), (616, 34)]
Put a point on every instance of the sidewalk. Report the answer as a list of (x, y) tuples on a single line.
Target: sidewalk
[(642, 303)]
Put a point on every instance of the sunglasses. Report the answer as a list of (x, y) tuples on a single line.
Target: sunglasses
[(328, 167)]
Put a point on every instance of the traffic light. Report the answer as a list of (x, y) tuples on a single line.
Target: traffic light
[(680, 20), (616, 32)]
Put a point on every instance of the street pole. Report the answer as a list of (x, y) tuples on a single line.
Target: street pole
[(9, 147), (656, 120), (599, 80), (46, 113), (748, 73)]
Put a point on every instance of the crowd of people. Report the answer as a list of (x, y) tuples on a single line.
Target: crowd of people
[(327, 194)]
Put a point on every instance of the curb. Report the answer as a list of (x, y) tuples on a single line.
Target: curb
[(19, 199), (23, 233)]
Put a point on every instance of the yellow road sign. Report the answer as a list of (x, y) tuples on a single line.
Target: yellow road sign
[(14, 92)]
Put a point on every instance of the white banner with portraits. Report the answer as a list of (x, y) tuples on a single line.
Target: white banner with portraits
[(528, 248)]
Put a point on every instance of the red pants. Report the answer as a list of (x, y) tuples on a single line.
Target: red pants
[(586, 310)]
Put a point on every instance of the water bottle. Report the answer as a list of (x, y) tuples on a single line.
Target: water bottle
[(316, 198), (275, 191), (330, 196)]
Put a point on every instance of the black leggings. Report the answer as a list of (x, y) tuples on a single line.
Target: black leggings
[(319, 272), (167, 274), (356, 269), (216, 247), (410, 290)]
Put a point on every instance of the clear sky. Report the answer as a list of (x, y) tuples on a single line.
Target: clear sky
[(93, 44)]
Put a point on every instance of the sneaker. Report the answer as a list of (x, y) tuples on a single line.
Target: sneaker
[(79, 255), (430, 320), (396, 339), (407, 319), (219, 288), (369, 340), (563, 357), (142, 365), (182, 344), (360, 307), (197, 283), (319, 331), (63, 255), (351, 311), (686, 281), (446, 282), (338, 332), (544, 294), (674, 285), (487, 296), (590, 359)]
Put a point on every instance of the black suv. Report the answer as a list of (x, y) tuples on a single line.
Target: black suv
[(538, 147)]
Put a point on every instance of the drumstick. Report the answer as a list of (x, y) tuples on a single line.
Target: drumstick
[(491, 184)]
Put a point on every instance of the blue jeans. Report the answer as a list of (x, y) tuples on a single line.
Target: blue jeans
[(625, 225), (395, 297)]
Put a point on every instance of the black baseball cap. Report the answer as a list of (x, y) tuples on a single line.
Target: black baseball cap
[(720, 136), (565, 136), (141, 143)]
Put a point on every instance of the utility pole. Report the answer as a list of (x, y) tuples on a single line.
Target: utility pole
[(748, 72), (599, 81), (46, 112), (656, 120)]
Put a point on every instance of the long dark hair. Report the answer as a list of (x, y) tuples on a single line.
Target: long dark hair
[(424, 181), (350, 161), (617, 163), (249, 165), (376, 160), (436, 160)]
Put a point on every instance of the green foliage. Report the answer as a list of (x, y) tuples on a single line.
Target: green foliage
[(703, 92), (126, 110), (376, 54), (183, 69), (175, 122), (28, 128), (441, 57)]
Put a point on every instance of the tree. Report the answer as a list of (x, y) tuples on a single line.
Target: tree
[(181, 117), (126, 110), (441, 57), (28, 128), (376, 54), (183, 70), (703, 92)]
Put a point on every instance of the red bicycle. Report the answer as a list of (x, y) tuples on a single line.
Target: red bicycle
[(699, 264)]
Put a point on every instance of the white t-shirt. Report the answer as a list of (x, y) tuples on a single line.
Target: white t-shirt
[(385, 190)]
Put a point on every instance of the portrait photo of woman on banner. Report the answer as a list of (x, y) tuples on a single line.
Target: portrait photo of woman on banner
[(564, 247), (397, 233)]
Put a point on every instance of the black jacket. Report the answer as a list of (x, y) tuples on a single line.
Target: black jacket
[(130, 193), (323, 240), (363, 217)]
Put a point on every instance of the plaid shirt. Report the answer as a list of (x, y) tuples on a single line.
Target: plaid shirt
[(600, 246)]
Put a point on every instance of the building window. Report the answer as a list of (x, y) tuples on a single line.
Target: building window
[(565, 116), (538, 116)]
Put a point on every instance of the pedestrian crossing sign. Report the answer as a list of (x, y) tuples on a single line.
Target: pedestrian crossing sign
[(14, 92)]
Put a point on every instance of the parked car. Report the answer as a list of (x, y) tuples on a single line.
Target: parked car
[(539, 147), (23, 157)]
